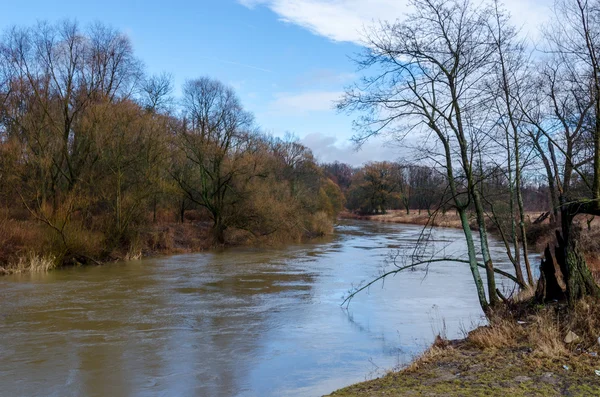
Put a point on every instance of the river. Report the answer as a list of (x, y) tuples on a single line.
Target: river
[(239, 322)]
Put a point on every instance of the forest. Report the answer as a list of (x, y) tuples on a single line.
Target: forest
[(100, 161)]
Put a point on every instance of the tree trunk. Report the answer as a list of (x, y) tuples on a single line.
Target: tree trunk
[(521, 207), (570, 263), (578, 277), (182, 211), (549, 287), (485, 251), (218, 230), (473, 260), (219, 234), (580, 281)]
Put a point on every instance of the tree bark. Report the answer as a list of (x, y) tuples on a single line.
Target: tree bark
[(578, 277), (569, 262)]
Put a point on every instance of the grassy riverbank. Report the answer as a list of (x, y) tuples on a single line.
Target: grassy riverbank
[(31, 247), (524, 352), (518, 355)]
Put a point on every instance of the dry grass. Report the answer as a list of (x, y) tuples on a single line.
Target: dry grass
[(516, 355), (439, 349), (542, 329), (503, 334), (20, 240), (449, 219), (30, 264)]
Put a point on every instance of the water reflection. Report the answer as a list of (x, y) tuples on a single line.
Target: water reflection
[(242, 322)]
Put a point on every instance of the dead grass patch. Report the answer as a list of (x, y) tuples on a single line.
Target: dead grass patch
[(501, 334), (31, 263), (441, 347), (449, 219), (19, 239), (542, 329)]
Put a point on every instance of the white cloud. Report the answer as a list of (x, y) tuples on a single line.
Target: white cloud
[(324, 77), (344, 20), (328, 149), (300, 103)]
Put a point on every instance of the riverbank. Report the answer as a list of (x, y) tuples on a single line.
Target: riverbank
[(449, 219), (522, 354), (515, 356), (30, 247)]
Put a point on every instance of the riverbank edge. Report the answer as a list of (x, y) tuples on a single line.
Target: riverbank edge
[(163, 239), (459, 369), (449, 219), (529, 354), (467, 367), (173, 238)]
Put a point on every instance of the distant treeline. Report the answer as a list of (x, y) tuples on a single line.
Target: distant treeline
[(380, 186)]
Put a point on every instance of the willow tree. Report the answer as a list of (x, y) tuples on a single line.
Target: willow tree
[(56, 78), (57, 73), (426, 77)]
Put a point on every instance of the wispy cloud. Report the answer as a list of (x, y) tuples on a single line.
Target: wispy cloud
[(243, 65), (324, 77), (304, 102), (327, 149), (344, 20)]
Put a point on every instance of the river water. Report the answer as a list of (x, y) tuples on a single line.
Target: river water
[(241, 322)]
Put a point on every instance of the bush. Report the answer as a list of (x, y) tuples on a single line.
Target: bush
[(320, 224), (17, 238)]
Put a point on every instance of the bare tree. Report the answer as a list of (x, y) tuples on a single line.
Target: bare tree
[(506, 84), (431, 68), (157, 93), (213, 139)]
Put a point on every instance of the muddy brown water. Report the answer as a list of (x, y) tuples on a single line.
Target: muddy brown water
[(241, 322)]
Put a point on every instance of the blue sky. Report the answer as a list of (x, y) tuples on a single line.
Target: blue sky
[(287, 59)]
